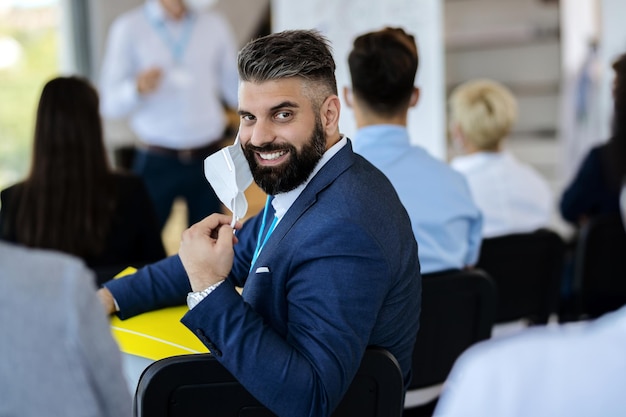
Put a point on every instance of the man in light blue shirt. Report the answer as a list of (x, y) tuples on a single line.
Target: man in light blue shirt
[(446, 221)]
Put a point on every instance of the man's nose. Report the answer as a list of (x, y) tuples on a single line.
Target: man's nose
[(262, 134)]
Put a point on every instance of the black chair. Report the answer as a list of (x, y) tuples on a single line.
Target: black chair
[(527, 269), (198, 385), (458, 310), (600, 266)]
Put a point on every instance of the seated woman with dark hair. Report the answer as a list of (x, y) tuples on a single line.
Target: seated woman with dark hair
[(72, 201), (596, 188)]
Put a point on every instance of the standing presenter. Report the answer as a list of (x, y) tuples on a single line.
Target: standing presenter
[(170, 67)]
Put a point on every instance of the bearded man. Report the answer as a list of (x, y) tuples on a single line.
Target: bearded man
[(329, 267)]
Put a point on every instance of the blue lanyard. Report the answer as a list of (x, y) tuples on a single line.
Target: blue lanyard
[(259, 244), (176, 46)]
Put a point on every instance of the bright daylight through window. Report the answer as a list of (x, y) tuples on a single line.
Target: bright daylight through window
[(29, 39)]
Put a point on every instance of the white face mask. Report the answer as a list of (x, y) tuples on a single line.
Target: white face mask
[(229, 174), (199, 5)]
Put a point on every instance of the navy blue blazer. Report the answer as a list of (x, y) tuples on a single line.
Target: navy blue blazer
[(339, 273)]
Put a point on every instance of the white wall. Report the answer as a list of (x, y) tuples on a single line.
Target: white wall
[(342, 21), (612, 44), (579, 25)]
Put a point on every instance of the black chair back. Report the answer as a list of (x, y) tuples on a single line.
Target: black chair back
[(458, 310), (600, 266), (198, 385), (527, 269)]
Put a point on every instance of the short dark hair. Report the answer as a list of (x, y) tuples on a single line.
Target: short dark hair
[(383, 65), (292, 53)]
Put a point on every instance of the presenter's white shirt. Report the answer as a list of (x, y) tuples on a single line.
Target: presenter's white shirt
[(198, 59)]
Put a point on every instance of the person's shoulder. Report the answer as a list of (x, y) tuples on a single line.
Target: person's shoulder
[(42, 266), (11, 190), (128, 19), (128, 183), (126, 177), (595, 153)]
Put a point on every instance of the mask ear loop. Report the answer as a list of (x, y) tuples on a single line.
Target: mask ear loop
[(234, 200), (234, 220)]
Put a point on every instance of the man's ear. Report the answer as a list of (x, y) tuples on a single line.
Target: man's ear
[(347, 96), (415, 97), (329, 114)]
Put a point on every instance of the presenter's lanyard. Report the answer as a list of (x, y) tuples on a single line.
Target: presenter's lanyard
[(260, 241), (178, 45)]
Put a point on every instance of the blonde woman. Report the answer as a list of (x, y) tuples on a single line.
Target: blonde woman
[(512, 196)]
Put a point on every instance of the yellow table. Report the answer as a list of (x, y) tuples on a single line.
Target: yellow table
[(157, 334)]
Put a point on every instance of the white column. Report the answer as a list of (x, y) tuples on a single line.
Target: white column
[(580, 117), (612, 44)]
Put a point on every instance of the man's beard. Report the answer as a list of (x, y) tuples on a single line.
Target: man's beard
[(300, 165)]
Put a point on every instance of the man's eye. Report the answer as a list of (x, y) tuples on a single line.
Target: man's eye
[(247, 117), (283, 115)]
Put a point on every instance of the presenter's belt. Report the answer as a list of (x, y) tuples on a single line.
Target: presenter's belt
[(191, 154)]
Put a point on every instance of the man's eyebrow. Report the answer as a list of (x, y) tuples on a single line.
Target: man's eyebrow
[(282, 105), (285, 104)]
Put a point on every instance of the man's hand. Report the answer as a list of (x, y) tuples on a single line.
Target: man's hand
[(149, 80), (106, 298), (206, 251)]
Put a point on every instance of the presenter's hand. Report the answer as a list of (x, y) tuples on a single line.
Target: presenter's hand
[(206, 250), (149, 80)]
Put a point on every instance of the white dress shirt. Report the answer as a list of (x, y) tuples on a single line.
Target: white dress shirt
[(576, 370), (197, 56), (512, 196), (283, 201)]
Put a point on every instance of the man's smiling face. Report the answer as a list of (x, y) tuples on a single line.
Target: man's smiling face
[(281, 133)]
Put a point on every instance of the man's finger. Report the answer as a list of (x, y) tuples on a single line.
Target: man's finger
[(214, 221), (225, 237)]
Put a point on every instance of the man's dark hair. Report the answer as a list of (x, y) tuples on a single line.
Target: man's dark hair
[(383, 65), (293, 53)]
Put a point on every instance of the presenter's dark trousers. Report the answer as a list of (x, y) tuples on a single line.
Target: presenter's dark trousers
[(169, 175)]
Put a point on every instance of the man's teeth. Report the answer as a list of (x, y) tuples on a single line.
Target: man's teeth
[(271, 156)]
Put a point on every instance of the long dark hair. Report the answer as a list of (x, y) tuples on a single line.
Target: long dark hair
[(616, 150), (67, 200)]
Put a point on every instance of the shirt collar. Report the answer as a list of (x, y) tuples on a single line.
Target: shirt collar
[(377, 134), (155, 11), (281, 202), (476, 159)]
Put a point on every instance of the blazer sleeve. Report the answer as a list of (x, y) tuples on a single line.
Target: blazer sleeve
[(158, 285), (334, 291)]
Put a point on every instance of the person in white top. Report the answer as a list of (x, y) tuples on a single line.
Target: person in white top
[(170, 67), (574, 370), (512, 196)]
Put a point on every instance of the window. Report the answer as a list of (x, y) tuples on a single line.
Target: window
[(29, 56)]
